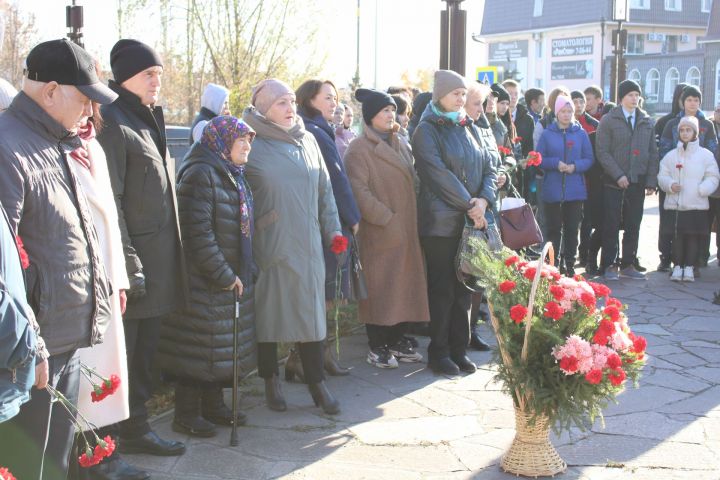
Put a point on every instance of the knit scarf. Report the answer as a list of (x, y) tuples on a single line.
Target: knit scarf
[(454, 117), (81, 154)]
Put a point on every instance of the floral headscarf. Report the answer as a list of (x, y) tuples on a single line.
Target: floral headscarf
[(220, 134)]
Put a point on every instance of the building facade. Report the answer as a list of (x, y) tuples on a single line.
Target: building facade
[(547, 43)]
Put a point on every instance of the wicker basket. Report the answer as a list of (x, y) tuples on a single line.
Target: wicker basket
[(531, 453)]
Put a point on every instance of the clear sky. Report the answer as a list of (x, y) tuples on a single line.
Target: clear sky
[(407, 32)]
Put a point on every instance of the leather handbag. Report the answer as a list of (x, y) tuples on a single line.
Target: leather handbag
[(359, 287), (468, 248), (518, 227)]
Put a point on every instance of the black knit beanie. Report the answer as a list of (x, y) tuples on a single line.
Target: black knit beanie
[(690, 91), (500, 92), (627, 86), (372, 102), (130, 57), (577, 94)]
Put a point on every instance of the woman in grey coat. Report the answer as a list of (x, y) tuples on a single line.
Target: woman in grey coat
[(295, 213)]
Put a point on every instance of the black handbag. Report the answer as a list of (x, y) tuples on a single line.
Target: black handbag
[(359, 287), (468, 248)]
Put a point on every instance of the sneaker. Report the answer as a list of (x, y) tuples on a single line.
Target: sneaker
[(688, 274), (677, 274), (381, 358), (639, 267), (611, 273), (632, 273), (404, 352), (664, 266)]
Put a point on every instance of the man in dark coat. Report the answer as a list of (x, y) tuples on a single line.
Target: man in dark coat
[(141, 174), (68, 288)]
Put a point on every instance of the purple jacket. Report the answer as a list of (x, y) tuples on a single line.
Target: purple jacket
[(571, 146)]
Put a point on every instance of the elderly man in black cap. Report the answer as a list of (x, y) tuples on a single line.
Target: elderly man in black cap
[(67, 285), (142, 175), (627, 151)]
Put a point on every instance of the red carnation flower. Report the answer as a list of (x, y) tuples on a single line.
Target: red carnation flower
[(553, 310), (613, 312), (522, 264), (679, 166), (617, 377), (557, 292), (506, 287), (639, 344), (613, 302), (517, 139), (578, 278), (518, 313), (511, 260), (588, 299), (614, 361), (98, 393), (108, 448), (603, 333), (5, 474), (110, 385), (534, 159), (339, 244), (555, 276), (530, 273), (594, 376), (24, 259), (570, 143), (636, 152), (600, 289), (86, 460), (569, 364)]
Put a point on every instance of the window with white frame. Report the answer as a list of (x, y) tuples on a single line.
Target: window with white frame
[(672, 78), (635, 44), (692, 76), (640, 4), (673, 5), (705, 5), (652, 86), (537, 10), (634, 75)]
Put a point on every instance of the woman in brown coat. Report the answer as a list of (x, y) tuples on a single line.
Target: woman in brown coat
[(380, 168)]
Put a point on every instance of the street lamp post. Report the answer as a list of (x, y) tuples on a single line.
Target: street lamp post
[(453, 25), (356, 78), (74, 23), (621, 13)]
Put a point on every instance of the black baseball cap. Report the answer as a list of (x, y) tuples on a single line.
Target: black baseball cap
[(66, 63)]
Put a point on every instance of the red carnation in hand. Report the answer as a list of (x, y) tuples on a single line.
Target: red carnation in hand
[(517, 139), (339, 244), (613, 312), (553, 310), (24, 259), (679, 166), (636, 152), (530, 273), (511, 260), (518, 313), (86, 460), (617, 377), (600, 289), (506, 287), (594, 376), (570, 143), (106, 446), (557, 292), (534, 159), (106, 388), (569, 364), (5, 474), (614, 361)]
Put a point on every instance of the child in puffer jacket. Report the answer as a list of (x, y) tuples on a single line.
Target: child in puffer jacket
[(688, 174)]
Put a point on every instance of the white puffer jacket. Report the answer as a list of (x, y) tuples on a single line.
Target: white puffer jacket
[(696, 170)]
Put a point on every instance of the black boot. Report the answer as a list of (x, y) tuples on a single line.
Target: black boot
[(187, 413), (476, 342), (273, 394), (323, 398), (331, 365), (293, 366), (214, 409)]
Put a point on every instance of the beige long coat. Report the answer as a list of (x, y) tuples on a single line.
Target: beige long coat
[(383, 181)]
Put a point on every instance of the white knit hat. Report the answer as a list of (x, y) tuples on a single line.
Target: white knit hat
[(691, 122), (7, 93)]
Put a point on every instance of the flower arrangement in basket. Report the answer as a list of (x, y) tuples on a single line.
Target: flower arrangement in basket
[(565, 350)]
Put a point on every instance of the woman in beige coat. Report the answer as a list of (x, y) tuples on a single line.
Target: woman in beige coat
[(382, 176)]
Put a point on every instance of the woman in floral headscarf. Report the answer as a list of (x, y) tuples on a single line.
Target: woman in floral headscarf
[(215, 207)]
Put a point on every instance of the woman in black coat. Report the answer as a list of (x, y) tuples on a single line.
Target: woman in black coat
[(216, 219), (457, 179)]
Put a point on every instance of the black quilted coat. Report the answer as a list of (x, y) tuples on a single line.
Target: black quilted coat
[(197, 343)]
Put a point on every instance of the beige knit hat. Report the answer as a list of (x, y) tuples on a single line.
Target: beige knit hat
[(691, 122), (267, 92), (445, 82)]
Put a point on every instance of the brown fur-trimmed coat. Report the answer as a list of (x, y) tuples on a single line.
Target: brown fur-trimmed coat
[(383, 182)]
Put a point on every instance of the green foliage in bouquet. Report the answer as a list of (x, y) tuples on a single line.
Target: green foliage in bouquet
[(570, 355)]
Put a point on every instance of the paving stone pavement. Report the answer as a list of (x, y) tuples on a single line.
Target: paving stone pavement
[(409, 424)]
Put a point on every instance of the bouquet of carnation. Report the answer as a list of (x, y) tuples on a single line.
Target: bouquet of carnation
[(565, 346)]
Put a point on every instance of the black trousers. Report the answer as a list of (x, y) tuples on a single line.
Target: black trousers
[(141, 341), (624, 206), (384, 335), (562, 221), (311, 356), (586, 230), (449, 300), (43, 429), (686, 249)]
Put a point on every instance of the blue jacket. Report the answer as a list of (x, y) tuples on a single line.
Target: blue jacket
[(670, 135), (573, 147), (344, 199), (18, 341)]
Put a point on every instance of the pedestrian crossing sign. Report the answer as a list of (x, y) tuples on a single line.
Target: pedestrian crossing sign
[(486, 75)]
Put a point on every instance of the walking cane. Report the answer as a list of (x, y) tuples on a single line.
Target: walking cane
[(236, 322)]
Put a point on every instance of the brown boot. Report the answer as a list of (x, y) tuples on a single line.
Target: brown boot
[(293, 366), (273, 394), (332, 367), (323, 398)]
